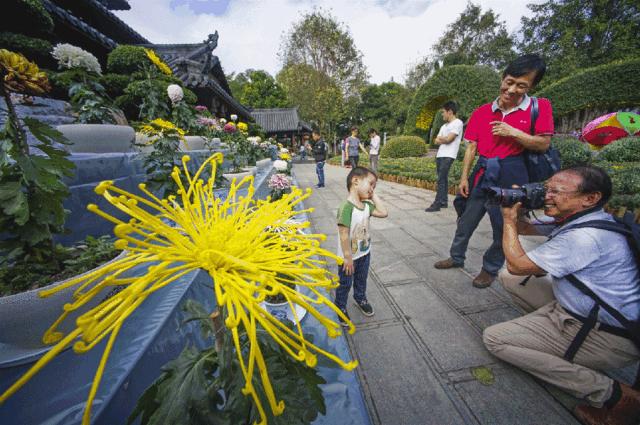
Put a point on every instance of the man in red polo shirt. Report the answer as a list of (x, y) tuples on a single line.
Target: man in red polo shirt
[(499, 132)]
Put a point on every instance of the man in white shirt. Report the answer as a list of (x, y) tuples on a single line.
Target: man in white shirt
[(374, 150), (448, 138)]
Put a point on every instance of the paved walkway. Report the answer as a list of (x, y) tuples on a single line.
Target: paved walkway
[(418, 351)]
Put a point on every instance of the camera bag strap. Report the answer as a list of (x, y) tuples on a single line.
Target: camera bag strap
[(626, 228)]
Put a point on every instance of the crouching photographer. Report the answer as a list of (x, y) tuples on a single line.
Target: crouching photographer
[(581, 290)]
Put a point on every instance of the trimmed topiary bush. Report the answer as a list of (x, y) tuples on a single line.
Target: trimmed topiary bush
[(34, 49), (609, 86), (403, 147), (470, 86), (623, 150), (572, 151), (115, 84), (189, 97), (62, 81), (126, 59)]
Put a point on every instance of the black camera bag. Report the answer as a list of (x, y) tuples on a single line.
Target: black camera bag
[(540, 165)]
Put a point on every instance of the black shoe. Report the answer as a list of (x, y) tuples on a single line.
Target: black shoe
[(319, 186), (344, 323), (444, 205), (365, 307), (432, 208)]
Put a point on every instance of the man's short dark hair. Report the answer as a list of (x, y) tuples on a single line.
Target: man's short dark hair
[(525, 64), (360, 172), (354, 128), (451, 106), (372, 130), (316, 131), (593, 179)]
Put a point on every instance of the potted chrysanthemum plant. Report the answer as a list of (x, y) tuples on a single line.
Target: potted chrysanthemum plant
[(257, 368)]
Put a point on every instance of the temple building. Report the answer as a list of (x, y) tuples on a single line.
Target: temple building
[(283, 123), (91, 25)]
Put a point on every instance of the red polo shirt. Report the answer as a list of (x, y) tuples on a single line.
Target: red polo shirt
[(479, 127)]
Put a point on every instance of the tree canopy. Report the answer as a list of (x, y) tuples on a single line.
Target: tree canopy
[(318, 40), (384, 107), (317, 96), (258, 89), (574, 34)]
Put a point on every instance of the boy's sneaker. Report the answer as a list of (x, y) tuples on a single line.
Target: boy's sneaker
[(365, 307), (343, 322)]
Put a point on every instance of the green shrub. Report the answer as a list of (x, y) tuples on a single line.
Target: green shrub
[(623, 150), (26, 17), (35, 49), (189, 97), (61, 81), (403, 147), (572, 151), (607, 86), (470, 86), (126, 59), (114, 84)]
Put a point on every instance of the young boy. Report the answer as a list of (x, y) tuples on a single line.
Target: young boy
[(354, 238)]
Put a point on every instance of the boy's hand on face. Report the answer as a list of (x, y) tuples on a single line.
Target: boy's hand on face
[(347, 266)]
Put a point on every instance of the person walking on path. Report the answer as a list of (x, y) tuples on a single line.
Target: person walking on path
[(374, 150), (499, 133), (319, 150), (448, 138), (550, 341), (354, 147), (354, 242)]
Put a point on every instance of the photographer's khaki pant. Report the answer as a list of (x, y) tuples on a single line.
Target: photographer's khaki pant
[(537, 341)]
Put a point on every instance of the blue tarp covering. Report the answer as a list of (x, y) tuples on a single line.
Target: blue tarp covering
[(151, 337)]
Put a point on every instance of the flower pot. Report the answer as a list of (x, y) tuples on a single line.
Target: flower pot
[(25, 317), (98, 138), (237, 176), (194, 143), (252, 169), (263, 163), (282, 311)]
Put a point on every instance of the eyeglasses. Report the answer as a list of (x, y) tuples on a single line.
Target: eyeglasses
[(555, 192)]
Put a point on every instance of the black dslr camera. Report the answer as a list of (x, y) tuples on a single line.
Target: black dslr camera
[(531, 195)]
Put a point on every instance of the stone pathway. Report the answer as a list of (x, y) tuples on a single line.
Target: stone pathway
[(417, 352)]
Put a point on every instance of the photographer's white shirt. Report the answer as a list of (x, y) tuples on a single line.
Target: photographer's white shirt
[(450, 150), (601, 259)]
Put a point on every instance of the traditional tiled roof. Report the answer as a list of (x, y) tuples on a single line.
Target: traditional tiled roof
[(117, 30), (280, 120), (197, 67), (116, 4)]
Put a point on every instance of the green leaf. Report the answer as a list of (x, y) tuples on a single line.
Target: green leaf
[(483, 374), (9, 190), (44, 132)]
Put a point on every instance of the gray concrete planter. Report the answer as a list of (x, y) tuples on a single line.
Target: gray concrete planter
[(98, 138), (194, 143), (25, 317), (237, 176), (263, 163)]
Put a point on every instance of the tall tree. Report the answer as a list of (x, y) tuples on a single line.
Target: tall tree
[(257, 89), (317, 96), (321, 42), (419, 72), (384, 107), (574, 34), (475, 38)]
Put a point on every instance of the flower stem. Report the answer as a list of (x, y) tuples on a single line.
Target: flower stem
[(12, 116)]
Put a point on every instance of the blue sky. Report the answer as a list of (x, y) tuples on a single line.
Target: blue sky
[(392, 34)]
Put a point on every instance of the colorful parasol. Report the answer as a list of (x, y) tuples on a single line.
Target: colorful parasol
[(607, 128)]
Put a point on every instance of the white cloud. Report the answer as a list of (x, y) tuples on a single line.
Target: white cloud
[(390, 33)]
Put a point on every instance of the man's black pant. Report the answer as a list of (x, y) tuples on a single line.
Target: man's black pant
[(443, 165)]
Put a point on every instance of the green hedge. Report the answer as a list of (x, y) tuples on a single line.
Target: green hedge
[(470, 86), (61, 81), (403, 147), (572, 151), (115, 84), (126, 59), (609, 86), (26, 17), (34, 49), (623, 150)]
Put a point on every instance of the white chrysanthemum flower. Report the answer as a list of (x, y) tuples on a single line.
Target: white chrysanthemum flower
[(175, 93), (280, 165), (69, 56), (234, 117)]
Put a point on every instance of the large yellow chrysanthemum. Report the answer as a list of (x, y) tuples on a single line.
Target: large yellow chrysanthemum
[(250, 248), (163, 67), (20, 75)]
